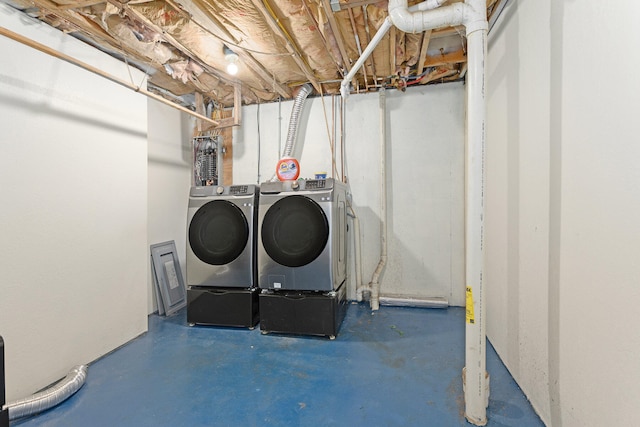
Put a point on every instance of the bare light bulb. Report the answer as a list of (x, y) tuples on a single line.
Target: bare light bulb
[(231, 57), (232, 68)]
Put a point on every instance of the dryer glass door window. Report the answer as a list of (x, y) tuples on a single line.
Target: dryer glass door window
[(295, 231), (218, 232)]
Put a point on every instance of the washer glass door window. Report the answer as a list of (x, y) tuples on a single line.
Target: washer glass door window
[(295, 231), (218, 232)]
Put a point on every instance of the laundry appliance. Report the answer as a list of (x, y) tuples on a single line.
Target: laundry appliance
[(302, 256), (221, 255)]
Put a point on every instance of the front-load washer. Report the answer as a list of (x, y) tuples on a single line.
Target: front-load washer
[(221, 255), (302, 228)]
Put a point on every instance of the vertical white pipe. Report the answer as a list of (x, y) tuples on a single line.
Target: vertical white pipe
[(357, 254), (375, 280), (473, 15), (476, 390)]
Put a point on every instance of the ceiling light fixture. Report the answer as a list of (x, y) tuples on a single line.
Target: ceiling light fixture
[(231, 57)]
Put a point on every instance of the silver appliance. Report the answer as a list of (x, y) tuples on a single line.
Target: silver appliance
[(221, 245), (302, 235)]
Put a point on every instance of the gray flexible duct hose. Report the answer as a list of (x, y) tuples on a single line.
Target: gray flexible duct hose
[(50, 397), (305, 90), (292, 133)]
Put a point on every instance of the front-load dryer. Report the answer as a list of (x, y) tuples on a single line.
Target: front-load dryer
[(302, 242), (221, 255), (221, 236)]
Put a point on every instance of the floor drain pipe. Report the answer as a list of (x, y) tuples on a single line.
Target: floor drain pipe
[(49, 397), (375, 279)]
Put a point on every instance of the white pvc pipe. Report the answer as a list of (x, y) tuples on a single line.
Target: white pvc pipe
[(473, 15), (427, 5), (344, 86), (357, 254), (386, 24), (433, 302), (418, 21), (375, 279), (476, 395)]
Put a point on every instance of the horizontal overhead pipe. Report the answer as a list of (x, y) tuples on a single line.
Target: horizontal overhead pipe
[(49, 51), (344, 86), (386, 25)]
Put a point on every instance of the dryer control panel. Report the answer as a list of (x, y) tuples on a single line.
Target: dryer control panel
[(276, 187), (232, 190)]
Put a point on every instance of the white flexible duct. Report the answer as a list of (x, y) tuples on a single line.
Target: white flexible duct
[(294, 121), (50, 397)]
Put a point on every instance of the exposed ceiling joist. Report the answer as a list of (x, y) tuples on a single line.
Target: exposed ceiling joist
[(281, 44)]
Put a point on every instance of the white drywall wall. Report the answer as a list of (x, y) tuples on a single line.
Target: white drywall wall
[(563, 201), (169, 172), (73, 168), (425, 155), (517, 195)]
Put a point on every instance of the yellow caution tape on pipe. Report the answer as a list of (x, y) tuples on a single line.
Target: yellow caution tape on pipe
[(470, 316)]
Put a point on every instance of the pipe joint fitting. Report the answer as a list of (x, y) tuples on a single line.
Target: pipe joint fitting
[(477, 25)]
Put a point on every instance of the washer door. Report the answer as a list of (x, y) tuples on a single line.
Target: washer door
[(218, 232), (295, 231)]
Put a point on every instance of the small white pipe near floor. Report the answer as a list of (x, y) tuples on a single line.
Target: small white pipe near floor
[(473, 15), (357, 255)]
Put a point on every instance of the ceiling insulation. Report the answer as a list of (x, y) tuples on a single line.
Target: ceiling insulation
[(281, 44)]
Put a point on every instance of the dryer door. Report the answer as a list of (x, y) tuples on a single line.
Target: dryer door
[(295, 231), (218, 232)]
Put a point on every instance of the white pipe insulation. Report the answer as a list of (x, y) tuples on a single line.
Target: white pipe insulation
[(473, 15)]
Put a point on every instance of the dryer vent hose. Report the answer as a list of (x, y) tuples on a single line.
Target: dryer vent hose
[(294, 121), (50, 397)]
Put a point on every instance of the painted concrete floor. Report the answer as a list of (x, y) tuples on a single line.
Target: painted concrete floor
[(398, 367)]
